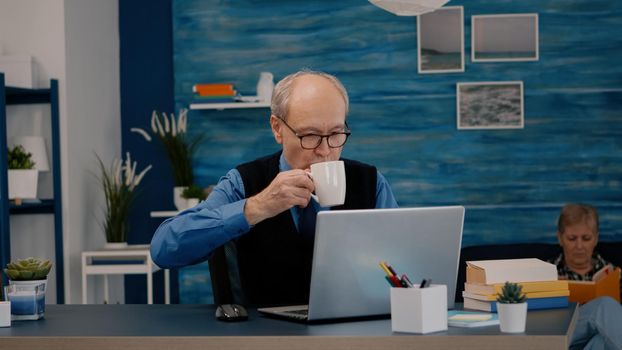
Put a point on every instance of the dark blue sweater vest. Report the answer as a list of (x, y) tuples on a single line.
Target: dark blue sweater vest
[(274, 261)]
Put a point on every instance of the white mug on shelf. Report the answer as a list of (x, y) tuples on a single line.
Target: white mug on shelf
[(329, 179)]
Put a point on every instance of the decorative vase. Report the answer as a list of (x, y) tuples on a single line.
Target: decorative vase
[(191, 202), (512, 317), (23, 183), (115, 245), (180, 202), (27, 299), (265, 85)]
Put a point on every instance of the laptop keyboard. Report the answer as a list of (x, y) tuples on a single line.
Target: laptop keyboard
[(299, 314)]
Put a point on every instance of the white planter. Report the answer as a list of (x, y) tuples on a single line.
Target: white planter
[(23, 183), (512, 317), (27, 299), (191, 202), (180, 202)]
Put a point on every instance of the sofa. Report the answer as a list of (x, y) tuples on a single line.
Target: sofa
[(610, 251)]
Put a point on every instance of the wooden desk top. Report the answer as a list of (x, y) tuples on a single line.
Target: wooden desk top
[(171, 327)]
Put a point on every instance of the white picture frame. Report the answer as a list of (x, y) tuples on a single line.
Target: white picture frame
[(440, 41), (490, 105), (505, 38)]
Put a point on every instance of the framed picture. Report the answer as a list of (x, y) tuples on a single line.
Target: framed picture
[(490, 105), (440, 40), (502, 38)]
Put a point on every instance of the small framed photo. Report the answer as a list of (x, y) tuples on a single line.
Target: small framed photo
[(502, 38), (490, 105), (440, 40)]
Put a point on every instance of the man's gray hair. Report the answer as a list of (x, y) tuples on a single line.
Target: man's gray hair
[(283, 90)]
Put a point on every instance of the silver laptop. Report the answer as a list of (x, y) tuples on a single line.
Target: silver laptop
[(346, 280)]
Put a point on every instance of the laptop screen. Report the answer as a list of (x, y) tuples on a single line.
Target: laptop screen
[(346, 280)]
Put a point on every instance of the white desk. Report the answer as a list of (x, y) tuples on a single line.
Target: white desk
[(135, 259)]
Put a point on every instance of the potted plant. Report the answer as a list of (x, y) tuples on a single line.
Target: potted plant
[(26, 290), (119, 184), (512, 308), (193, 194), (172, 133), (22, 175)]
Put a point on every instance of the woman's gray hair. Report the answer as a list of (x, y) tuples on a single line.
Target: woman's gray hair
[(279, 105), (577, 213)]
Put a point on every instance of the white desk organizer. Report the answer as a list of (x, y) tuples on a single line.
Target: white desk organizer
[(419, 310), (5, 314)]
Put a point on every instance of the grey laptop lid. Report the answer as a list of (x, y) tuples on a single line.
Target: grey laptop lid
[(346, 280)]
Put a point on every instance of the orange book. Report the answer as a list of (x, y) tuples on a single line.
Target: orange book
[(584, 291), (213, 89)]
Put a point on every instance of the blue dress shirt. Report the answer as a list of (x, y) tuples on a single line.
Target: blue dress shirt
[(191, 236)]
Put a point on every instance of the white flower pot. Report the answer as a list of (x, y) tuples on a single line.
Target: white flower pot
[(512, 317), (27, 299), (23, 183), (191, 202), (180, 202)]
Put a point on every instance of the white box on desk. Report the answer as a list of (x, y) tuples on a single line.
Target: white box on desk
[(19, 71), (5, 314), (419, 310)]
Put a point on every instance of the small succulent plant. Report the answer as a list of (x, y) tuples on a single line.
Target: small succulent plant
[(511, 293), (28, 269)]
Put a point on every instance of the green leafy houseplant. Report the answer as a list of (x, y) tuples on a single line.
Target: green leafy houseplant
[(511, 293), (119, 184), (19, 158), (194, 191), (29, 269), (172, 133)]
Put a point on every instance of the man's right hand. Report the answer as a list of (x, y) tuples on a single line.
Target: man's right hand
[(289, 188)]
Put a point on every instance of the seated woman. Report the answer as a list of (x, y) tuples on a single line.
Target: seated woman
[(598, 326), (577, 233)]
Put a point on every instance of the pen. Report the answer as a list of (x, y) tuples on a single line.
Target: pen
[(405, 279), (384, 267), (392, 271), (389, 280), (396, 282)]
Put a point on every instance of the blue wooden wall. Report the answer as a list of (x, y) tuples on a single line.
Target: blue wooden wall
[(512, 182)]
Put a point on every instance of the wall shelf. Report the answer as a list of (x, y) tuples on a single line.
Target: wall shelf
[(230, 105), (18, 96)]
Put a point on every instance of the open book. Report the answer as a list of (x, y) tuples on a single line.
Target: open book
[(606, 282), (469, 319)]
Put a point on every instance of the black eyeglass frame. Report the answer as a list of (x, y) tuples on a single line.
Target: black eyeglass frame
[(321, 137)]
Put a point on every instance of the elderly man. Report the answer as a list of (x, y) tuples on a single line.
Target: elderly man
[(265, 206)]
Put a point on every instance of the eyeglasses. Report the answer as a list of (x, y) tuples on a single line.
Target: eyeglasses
[(313, 141)]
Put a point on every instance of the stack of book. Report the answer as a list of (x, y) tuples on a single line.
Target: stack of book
[(214, 93), (485, 279)]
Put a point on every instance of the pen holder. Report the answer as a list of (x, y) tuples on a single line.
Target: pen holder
[(5, 314), (419, 310)]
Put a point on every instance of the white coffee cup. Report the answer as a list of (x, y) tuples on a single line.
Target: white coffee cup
[(329, 179)]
